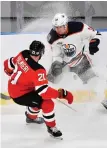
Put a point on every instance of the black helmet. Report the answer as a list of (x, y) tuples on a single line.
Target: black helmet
[(37, 48)]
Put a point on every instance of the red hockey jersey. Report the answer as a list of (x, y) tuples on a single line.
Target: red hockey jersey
[(26, 75)]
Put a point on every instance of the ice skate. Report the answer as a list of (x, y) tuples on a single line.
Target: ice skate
[(55, 133), (38, 120)]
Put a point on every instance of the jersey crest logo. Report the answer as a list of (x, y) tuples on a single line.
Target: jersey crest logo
[(69, 49)]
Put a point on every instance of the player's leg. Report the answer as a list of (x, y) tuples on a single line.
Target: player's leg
[(49, 118), (32, 115), (84, 70), (33, 102), (87, 75)]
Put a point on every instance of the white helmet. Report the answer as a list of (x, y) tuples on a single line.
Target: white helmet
[(59, 19)]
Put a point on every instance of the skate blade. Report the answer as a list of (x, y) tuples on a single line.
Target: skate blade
[(58, 138)]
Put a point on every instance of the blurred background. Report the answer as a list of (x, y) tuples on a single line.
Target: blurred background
[(36, 16)]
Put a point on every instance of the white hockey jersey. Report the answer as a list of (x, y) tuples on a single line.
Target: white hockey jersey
[(73, 44)]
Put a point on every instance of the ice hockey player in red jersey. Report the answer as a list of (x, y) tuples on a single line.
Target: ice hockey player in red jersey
[(28, 86), (72, 43)]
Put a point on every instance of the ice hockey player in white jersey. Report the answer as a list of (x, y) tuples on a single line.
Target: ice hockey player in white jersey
[(71, 43)]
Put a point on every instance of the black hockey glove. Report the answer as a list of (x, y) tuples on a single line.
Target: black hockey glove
[(93, 46)]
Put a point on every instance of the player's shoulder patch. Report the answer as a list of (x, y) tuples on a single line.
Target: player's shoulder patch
[(75, 27), (52, 36)]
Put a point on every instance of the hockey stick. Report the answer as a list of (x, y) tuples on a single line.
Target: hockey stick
[(5, 97), (67, 105)]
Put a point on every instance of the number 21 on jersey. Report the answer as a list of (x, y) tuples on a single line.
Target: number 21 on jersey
[(41, 77)]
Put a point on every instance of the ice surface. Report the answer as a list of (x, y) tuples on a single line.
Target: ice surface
[(83, 128)]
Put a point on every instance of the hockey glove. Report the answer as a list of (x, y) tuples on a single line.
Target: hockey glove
[(64, 94), (93, 46)]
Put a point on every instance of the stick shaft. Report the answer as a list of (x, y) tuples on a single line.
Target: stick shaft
[(67, 105)]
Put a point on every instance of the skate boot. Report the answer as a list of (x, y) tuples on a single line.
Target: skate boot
[(54, 132), (104, 103), (38, 120)]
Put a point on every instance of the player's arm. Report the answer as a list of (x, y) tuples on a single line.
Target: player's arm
[(93, 37), (57, 56), (9, 65), (55, 44), (47, 92)]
